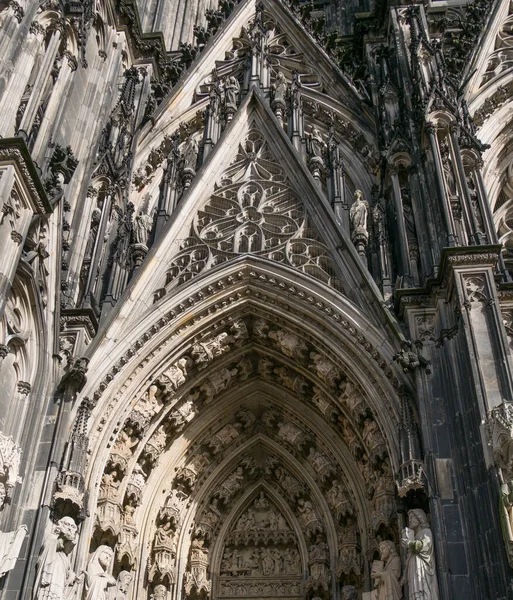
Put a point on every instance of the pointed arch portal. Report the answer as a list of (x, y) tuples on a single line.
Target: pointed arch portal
[(243, 435)]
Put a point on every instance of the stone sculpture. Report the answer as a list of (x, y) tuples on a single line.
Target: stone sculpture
[(54, 577), (10, 546), (420, 570), (121, 590), (387, 572), (98, 580), (349, 592), (358, 213)]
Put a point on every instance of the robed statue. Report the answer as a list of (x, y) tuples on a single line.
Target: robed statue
[(420, 569), (386, 573), (54, 577), (98, 579)]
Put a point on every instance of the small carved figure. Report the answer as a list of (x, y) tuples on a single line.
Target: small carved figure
[(189, 152), (387, 572), (358, 212), (142, 229), (54, 576), (231, 485), (317, 144), (420, 570), (98, 580), (165, 536), (231, 91), (280, 88)]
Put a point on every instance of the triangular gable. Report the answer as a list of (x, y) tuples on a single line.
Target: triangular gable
[(258, 200), (218, 50)]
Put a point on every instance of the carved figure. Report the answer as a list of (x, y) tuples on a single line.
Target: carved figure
[(308, 517), (231, 485), (317, 144), (358, 212), (231, 91), (420, 570), (280, 88), (338, 500), (120, 592), (142, 229), (189, 152), (386, 572), (54, 576), (224, 437), (10, 546), (98, 580), (292, 434), (165, 536)]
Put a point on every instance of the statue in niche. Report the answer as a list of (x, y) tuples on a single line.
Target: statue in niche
[(54, 576), (189, 152), (317, 144), (120, 592), (231, 93), (280, 88), (267, 562), (358, 212), (10, 546), (386, 573), (349, 592), (142, 229), (291, 561), (420, 569), (165, 536), (98, 580), (231, 485), (319, 551)]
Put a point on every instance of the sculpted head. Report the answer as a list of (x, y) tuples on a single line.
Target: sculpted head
[(387, 549), (124, 580), (417, 518), (67, 528), (358, 195), (349, 593), (159, 592), (105, 555)]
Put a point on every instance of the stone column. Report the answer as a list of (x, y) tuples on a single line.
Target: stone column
[(399, 210)]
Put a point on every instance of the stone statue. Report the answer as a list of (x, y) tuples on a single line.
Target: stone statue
[(280, 88), (231, 91), (98, 580), (142, 229), (387, 572), (120, 592), (349, 592), (420, 570), (358, 212), (189, 152), (10, 546), (317, 144), (54, 577)]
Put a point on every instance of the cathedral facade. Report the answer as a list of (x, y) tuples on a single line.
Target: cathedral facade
[(256, 300)]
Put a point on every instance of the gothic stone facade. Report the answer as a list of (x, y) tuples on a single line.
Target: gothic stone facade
[(256, 299)]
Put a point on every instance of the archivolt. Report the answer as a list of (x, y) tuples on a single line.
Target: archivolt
[(263, 369)]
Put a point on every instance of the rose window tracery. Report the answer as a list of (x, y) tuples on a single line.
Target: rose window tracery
[(253, 210)]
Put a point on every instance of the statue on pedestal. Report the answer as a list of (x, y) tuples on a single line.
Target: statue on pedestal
[(420, 570), (10, 546), (54, 576), (98, 580)]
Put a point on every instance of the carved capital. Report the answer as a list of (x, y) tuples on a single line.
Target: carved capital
[(24, 388)]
